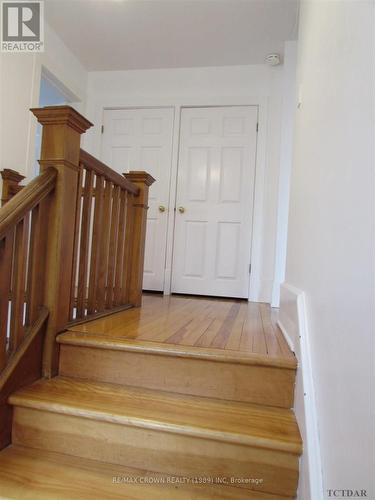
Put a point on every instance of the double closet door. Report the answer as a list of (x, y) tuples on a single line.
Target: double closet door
[(214, 198)]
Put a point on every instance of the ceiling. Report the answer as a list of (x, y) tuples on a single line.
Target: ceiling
[(121, 34)]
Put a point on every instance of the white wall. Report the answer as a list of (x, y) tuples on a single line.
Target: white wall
[(286, 157), (257, 84), (331, 251), (19, 90)]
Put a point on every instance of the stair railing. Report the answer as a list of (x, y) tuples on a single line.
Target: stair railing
[(23, 243), (109, 239), (71, 249)]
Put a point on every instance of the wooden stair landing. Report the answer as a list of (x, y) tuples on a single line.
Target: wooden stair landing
[(237, 327), (226, 349)]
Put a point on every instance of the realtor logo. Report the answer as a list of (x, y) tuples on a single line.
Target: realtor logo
[(22, 26)]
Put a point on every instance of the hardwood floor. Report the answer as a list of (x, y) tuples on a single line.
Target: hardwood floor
[(235, 326)]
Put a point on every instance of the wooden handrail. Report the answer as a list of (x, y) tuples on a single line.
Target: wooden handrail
[(28, 198), (91, 163)]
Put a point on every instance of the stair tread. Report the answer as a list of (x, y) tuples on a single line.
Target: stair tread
[(31, 474), (241, 423), (147, 346)]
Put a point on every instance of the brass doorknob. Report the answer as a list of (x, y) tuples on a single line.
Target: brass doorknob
[(181, 210), (161, 208)]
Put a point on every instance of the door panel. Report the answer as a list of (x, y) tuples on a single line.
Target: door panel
[(215, 192), (141, 139)]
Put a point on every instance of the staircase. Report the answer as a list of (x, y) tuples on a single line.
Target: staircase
[(118, 416)]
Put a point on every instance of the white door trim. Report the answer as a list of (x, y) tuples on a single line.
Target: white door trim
[(95, 141)]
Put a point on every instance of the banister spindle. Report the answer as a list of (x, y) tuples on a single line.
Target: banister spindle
[(96, 245), (128, 249), (62, 129), (104, 247), (19, 283), (120, 250), (6, 255), (85, 243), (113, 247)]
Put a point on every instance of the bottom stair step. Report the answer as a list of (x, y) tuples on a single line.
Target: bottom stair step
[(30, 474), (169, 433)]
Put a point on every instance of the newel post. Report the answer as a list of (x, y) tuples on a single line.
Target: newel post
[(11, 184), (61, 136), (143, 181)]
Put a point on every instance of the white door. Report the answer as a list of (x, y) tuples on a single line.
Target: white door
[(141, 139), (214, 207)]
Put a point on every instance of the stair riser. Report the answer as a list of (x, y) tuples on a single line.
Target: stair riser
[(265, 385), (157, 450)]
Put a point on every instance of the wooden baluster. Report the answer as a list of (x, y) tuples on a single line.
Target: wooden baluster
[(139, 207), (120, 250), (104, 250), (17, 330), (37, 260), (61, 135), (76, 246), (113, 246), (128, 249), (11, 184), (96, 245), (85, 243), (6, 255)]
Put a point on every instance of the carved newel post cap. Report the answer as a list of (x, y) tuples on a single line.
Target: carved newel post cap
[(11, 175), (62, 115), (139, 176)]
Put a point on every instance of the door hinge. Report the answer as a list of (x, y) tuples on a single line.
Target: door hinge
[(257, 127), (249, 268), (102, 129)]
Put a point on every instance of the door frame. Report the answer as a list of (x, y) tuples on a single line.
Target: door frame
[(95, 141)]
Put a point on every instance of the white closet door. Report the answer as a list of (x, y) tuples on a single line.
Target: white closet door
[(141, 139), (215, 193)]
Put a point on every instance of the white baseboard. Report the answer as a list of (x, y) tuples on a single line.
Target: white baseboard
[(286, 336), (294, 325)]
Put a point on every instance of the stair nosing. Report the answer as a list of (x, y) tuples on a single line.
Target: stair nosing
[(98, 341), (28, 401)]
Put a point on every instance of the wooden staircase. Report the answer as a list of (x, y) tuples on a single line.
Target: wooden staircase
[(123, 416), (248, 450)]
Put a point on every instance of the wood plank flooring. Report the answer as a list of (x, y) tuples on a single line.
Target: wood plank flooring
[(211, 323)]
